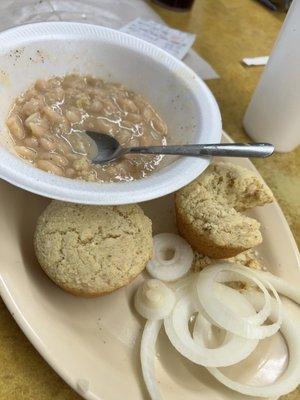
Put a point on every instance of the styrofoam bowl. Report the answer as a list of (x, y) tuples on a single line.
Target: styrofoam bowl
[(42, 50)]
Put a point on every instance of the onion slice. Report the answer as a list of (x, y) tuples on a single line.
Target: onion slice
[(203, 328), (226, 318), (177, 329), (148, 352), (154, 300), (203, 333), (282, 286), (172, 257), (290, 379)]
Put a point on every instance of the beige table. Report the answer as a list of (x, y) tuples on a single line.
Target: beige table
[(227, 31)]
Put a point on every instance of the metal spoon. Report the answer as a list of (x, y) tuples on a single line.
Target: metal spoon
[(109, 149)]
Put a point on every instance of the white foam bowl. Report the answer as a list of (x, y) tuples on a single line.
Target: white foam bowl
[(42, 50)]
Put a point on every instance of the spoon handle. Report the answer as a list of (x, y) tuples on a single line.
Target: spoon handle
[(218, 149)]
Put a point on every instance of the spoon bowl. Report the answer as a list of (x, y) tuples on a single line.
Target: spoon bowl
[(107, 148)]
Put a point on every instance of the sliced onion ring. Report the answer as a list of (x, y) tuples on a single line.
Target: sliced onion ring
[(154, 300), (234, 276), (247, 327), (203, 328), (202, 331), (289, 380), (282, 286), (177, 328), (179, 261), (148, 352)]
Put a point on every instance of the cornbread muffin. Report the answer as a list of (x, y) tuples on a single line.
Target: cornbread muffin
[(208, 210), (92, 250)]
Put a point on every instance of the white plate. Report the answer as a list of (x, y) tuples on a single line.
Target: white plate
[(98, 339)]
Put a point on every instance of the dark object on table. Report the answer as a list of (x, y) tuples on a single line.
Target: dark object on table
[(277, 4), (178, 5), (268, 4), (283, 4)]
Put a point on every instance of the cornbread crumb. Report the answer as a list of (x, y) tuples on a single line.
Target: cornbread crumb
[(208, 210), (249, 258), (92, 250)]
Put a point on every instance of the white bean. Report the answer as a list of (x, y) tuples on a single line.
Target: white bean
[(38, 125), (90, 123), (70, 173), (96, 106), (38, 130), (32, 92), (134, 118), (15, 127), (159, 125), (73, 156), (53, 115), (35, 118), (55, 82), (74, 81), (148, 113), (104, 126), (32, 106), (140, 101), (81, 165), (48, 166), (127, 105), (61, 128), (57, 159), (73, 116), (47, 144), (127, 124), (26, 152), (109, 107), (55, 95), (31, 142), (63, 148), (82, 101), (41, 85)]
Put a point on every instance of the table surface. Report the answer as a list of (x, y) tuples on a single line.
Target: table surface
[(227, 31)]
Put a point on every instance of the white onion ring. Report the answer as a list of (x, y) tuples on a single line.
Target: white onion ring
[(247, 327), (203, 326), (176, 325), (149, 339), (282, 286), (203, 331), (230, 274), (290, 379), (234, 275), (178, 265), (154, 300)]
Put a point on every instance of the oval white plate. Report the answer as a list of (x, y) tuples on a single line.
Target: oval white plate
[(95, 342)]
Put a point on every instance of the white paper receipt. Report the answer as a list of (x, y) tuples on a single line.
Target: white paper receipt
[(256, 61), (173, 41)]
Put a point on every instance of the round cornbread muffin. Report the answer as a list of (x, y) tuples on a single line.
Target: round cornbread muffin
[(92, 250), (208, 210)]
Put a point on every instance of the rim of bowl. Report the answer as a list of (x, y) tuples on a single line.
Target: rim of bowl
[(165, 181)]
